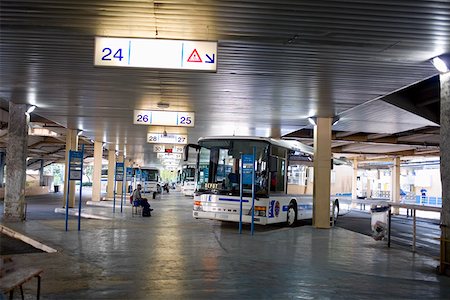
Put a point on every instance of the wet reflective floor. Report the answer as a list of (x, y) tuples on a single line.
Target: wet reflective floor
[(173, 256)]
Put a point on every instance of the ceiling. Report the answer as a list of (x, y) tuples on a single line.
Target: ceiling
[(279, 62)]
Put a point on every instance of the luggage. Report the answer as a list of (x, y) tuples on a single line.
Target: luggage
[(146, 212)]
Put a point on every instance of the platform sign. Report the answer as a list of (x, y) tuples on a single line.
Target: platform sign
[(156, 53), (178, 149), (158, 138), (168, 155), (164, 118), (119, 171), (247, 168), (159, 148), (129, 174), (75, 165)]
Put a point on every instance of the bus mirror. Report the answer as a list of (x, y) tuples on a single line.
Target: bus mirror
[(273, 164)]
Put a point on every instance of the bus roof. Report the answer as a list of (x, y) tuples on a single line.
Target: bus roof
[(289, 144)]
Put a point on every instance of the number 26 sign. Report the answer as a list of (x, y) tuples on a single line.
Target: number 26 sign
[(165, 118)]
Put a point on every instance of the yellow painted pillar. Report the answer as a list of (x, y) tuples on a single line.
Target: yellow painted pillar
[(355, 181), (395, 186), (111, 171), (97, 176), (322, 173), (119, 184), (71, 144)]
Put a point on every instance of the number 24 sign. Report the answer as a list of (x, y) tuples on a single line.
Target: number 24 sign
[(165, 118)]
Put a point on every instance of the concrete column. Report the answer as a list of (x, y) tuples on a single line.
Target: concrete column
[(355, 181), (16, 163), (111, 171), (119, 184), (41, 173), (2, 167), (71, 144), (395, 184), (322, 173), (128, 164), (97, 176), (368, 187), (445, 166)]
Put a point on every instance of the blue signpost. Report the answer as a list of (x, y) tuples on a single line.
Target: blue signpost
[(75, 173), (247, 177), (119, 176)]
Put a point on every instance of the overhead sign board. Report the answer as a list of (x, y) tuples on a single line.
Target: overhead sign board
[(156, 53), (160, 138), (168, 155), (164, 118), (177, 149), (159, 148)]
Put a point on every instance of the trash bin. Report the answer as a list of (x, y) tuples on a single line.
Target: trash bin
[(379, 220), (56, 188)]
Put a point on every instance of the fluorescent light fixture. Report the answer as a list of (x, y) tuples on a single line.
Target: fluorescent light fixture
[(335, 120), (312, 121), (31, 109), (80, 132), (440, 64)]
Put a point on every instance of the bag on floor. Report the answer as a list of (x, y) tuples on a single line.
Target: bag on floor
[(146, 212)]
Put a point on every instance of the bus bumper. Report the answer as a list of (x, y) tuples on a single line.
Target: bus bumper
[(228, 217)]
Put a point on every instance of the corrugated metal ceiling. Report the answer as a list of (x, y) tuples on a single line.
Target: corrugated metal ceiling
[(278, 62)]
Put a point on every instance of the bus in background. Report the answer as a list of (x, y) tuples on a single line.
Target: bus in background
[(218, 194), (187, 179), (149, 180)]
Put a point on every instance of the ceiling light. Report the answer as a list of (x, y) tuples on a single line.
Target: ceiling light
[(441, 63), (80, 132), (312, 121), (31, 109), (335, 120), (163, 105)]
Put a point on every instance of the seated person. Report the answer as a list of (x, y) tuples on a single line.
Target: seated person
[(138, 197)]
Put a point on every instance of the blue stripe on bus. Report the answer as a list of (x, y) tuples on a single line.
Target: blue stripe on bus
[(232, 200), (285, 207), (305, 206)]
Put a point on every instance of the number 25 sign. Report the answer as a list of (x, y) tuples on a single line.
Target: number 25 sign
[(164, 118)]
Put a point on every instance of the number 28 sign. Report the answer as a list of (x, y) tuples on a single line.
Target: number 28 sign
[(160, 138), (164, 118)]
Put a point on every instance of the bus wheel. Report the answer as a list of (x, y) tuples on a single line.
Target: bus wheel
[(291, 214)]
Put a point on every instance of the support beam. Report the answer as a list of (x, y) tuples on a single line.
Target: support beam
[(41, 173), (395, 184), (111, 171), (354, 179), (16, 159), (445, 169), (322, 173), (97, 176), (71, 144), (2, 167)]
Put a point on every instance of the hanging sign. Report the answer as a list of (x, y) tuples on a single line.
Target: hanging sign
[(156, 53), (177, 149), (75, 165), (159, 148), (168, 155), (157, 138), (164, 118), (119, 171)]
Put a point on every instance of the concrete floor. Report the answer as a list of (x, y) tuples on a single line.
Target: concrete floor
[(173, 256)]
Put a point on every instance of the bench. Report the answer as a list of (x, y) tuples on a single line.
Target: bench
[(16, 278)]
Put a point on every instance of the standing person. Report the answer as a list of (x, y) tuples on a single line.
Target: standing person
[(142, 201)]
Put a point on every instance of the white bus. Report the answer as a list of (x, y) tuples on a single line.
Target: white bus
[(187, 179), (218, 194), (150, 180)]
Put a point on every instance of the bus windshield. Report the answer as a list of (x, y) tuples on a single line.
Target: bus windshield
[(150, 174), (188, 174), (219, 162)]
